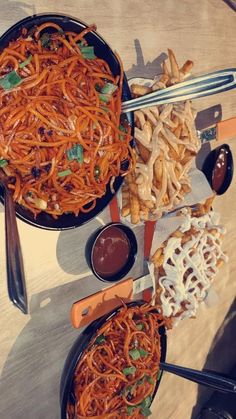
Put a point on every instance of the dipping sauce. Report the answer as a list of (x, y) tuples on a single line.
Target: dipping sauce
[(110, 252), (219, 171)]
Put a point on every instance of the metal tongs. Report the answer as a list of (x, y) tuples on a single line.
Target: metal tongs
[(206, 85), (15, 269)]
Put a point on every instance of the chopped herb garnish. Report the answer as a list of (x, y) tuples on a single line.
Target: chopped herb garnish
[(97, 172), (140, 326), (3, 162), (149, 379), (129, 370), (130, 410), (64, 173), (146, 402), (146, 411), (75, 153), (159, 375), (26, 62), (11, 80), (45, 40), (100, 339), (87, 52), (104, 98), (143, 352), (109, 88), (122, 128), (81, 44), (135, 354)]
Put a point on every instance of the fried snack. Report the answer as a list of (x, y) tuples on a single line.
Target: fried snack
[(166, 144), (186, 263)]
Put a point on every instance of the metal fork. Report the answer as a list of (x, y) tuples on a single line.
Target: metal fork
[(206, 85), (15, 269)]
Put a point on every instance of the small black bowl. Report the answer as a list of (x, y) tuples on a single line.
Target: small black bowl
[(132, 255), (80, 345), (104, 51), (209, 165)]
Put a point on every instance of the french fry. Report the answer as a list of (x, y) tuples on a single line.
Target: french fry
[(164, 79), (187, 67), (156, 258), (143, 152), (125, 211), (139, 90), (158, 168), (165, 69), (166, 132), (173, 64)]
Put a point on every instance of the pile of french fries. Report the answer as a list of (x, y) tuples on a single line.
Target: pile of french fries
[(166, 144), (185, 268)]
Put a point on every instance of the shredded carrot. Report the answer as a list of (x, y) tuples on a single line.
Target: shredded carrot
[(56, 107)]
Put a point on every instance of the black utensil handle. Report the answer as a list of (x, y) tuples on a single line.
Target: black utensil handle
[(15, 269), (206, 378)]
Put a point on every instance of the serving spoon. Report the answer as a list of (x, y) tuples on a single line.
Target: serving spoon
[(15, 268), (206, 85)]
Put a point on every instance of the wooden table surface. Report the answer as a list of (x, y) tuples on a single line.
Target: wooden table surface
[(33, 347)]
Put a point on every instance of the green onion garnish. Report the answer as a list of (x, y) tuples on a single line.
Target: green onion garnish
[(26, 62), (104, 98), (135, 354), (149, 379), (109, 88), (146, 402), (129, 370), (81, 44), (140, 326), (143, 352), (3, 162), (130, 410), (87, 52), (100, 339), (64, 173), (146, 412), (75, 153), (11, 80), (45, 40)]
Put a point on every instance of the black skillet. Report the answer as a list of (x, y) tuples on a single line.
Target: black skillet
[(102, 50), (79, 346)]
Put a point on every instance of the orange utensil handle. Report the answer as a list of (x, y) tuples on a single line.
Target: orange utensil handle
[(114, 210), (226, 129), (91, 308)]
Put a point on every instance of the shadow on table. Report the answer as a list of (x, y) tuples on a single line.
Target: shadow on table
[(75, 263), (31, 374), (221, 357), (140, 69)]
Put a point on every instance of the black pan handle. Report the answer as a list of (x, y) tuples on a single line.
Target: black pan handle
[(206, 378), (15, 268)]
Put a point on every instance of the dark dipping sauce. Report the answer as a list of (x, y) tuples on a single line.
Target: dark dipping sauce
[(110, 252), (219, 171)]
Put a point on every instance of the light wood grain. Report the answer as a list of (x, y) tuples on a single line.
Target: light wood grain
[(34, 347)]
